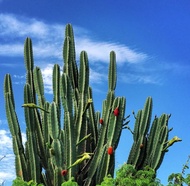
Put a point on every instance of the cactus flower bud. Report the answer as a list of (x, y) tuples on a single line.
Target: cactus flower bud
[(63, 172), (101, 121), (116, 111), (110, 150)]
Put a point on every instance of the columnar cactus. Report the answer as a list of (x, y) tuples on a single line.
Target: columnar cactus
[(148, 148), (77, 146), (66, 138)]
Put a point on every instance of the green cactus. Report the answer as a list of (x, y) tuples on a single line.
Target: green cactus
[(55, 142), (147, 149), (67, 138)]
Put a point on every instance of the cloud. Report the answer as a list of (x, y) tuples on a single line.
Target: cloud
[(11, 50), (141, 79), (7, 170), (7, 167), (21, 26), (96, 77), (47, 48), (47, 78), (48, 40), (99, 51)]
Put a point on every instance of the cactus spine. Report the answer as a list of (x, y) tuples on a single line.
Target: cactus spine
[(53, 145)]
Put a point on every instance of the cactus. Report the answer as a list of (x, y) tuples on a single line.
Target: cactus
[(67, 138), (147, 149), (55, 142)]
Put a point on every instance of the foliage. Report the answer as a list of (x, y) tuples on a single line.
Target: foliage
[(177, 179), (70, 182), (19, 182), (108, 180), (128, 175)]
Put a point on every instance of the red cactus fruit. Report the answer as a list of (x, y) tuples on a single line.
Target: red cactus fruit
[(101, 121), (110, 150), (63, 172), (116, 111)]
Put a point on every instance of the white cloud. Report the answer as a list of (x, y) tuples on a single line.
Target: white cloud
[(11, 49), (47, 46), (48, 40), (47, 78), (141, 78), (99, 51), (7, 166), (97, 77), (11, 25), (7, 170), (5, 142)]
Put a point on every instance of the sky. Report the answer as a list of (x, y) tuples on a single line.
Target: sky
[(151, 40)]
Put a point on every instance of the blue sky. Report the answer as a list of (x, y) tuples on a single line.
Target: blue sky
[(151, 40)]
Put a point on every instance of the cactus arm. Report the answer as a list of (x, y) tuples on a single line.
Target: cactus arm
[(93, 120), (116, 122), (53, 124), (18, 149), (112, 71), (39, 86), (169, 143), (107, 108), (83, 90), (32, 105), (137, 125), (70, 66), (56, 89), (28, 54), (103, 169), (8, 88), (34, 164), (146, 116)]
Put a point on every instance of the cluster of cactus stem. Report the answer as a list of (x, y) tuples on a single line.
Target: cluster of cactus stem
[(79, 144), (149, 146), (67, 138)]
